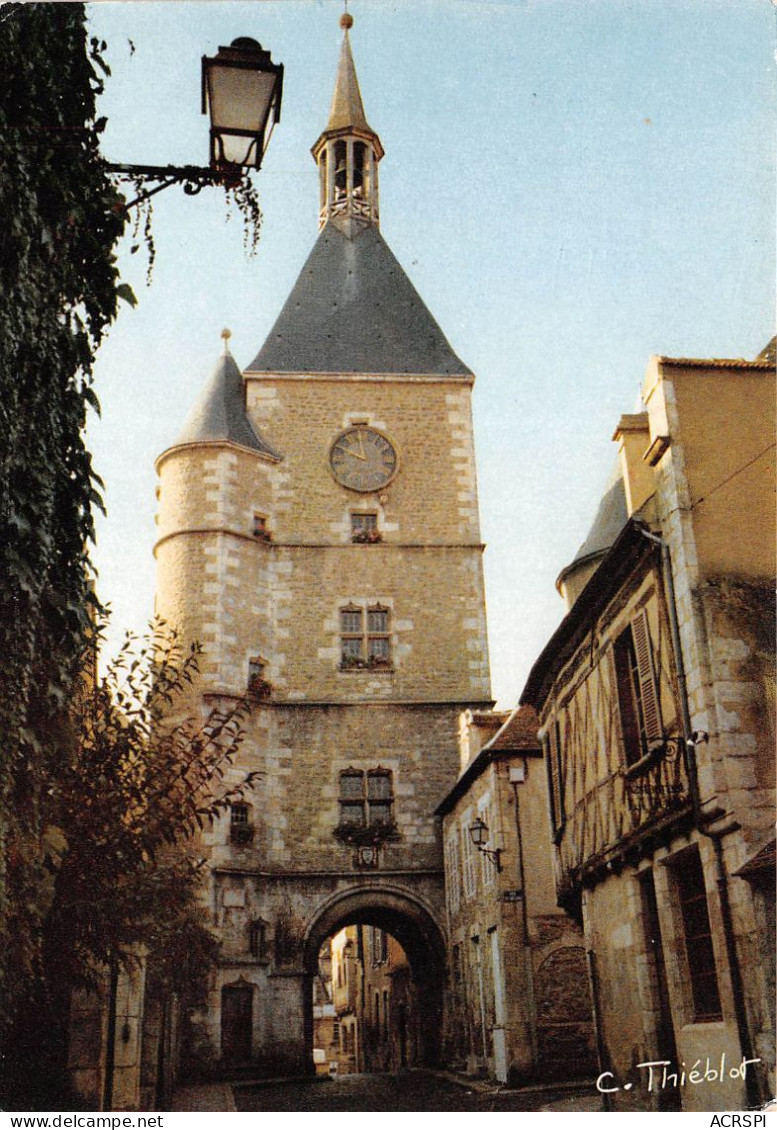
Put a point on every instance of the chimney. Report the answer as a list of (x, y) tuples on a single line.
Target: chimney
[(633, 437)]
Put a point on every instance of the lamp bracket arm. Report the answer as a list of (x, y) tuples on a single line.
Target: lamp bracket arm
[(193, 178)]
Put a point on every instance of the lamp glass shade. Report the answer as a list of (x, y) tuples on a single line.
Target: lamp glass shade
[(241, 89), (479, 833)]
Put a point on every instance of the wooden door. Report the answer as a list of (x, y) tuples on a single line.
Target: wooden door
[(236, 1023)]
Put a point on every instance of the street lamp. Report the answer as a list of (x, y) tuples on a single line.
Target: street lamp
[(479, 834), (241, 88)]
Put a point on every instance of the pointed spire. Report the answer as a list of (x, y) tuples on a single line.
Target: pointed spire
[(347, 110), (348, 151)]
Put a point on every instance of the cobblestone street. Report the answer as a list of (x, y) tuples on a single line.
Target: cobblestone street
[(415, 1090)]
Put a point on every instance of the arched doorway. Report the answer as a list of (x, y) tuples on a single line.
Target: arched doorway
[(407, 920)]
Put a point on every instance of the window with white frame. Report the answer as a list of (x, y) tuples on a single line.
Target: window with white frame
[(487, 864), (469, 873), (452, 872)]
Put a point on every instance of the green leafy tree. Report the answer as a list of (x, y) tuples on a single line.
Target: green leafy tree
[(142, 773), (61, 218)]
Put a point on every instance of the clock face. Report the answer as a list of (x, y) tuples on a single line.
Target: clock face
[(363, 459)]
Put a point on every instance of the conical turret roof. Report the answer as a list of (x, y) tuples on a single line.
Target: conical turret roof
[(354, 310), (219, 415), (611, 516)]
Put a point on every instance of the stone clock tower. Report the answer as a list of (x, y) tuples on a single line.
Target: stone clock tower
[(319, 535)]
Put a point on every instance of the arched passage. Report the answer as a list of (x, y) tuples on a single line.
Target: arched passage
[(412, 924)]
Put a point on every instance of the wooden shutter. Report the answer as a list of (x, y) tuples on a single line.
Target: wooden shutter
[(648, 692), (555, 784)]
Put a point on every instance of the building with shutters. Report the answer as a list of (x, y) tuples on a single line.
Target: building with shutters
[(520, 1006), (318, 534), (656, 706)]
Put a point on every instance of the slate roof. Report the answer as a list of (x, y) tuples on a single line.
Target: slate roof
[(354, 310), (219, 415), (610, 519)]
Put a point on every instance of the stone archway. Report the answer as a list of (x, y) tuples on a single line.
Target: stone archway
[(401, 914)]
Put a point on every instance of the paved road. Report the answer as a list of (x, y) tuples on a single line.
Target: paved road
[(414, 1090)]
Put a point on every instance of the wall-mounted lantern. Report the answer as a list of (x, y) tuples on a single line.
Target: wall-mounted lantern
[(241, 90), (479, 835)]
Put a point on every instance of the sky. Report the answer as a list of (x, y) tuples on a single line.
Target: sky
[(571, 185)]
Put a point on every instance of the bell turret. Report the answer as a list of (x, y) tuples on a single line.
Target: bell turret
[(348, 151)]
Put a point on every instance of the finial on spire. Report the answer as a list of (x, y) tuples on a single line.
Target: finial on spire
[(346, 20), (226, 335)]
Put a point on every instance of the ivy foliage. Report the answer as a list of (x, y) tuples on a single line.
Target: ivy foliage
[(61, 217)]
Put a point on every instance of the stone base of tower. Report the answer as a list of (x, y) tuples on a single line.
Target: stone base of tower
[(257, 1017)]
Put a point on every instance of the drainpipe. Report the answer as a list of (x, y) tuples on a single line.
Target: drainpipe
[(482, 1001), (519, 845), (752, 1082)]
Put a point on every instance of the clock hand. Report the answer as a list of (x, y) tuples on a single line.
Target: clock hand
[(359, 454)]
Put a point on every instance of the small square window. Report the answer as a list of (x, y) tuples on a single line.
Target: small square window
[(364, 528), (261, 529)]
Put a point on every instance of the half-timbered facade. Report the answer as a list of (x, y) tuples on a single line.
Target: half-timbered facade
[(655, 698)]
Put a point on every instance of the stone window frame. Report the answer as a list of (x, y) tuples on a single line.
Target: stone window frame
[(367, 800), (257, 682), (260, 526), (364, 527), (365, 636), (241, 828)]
